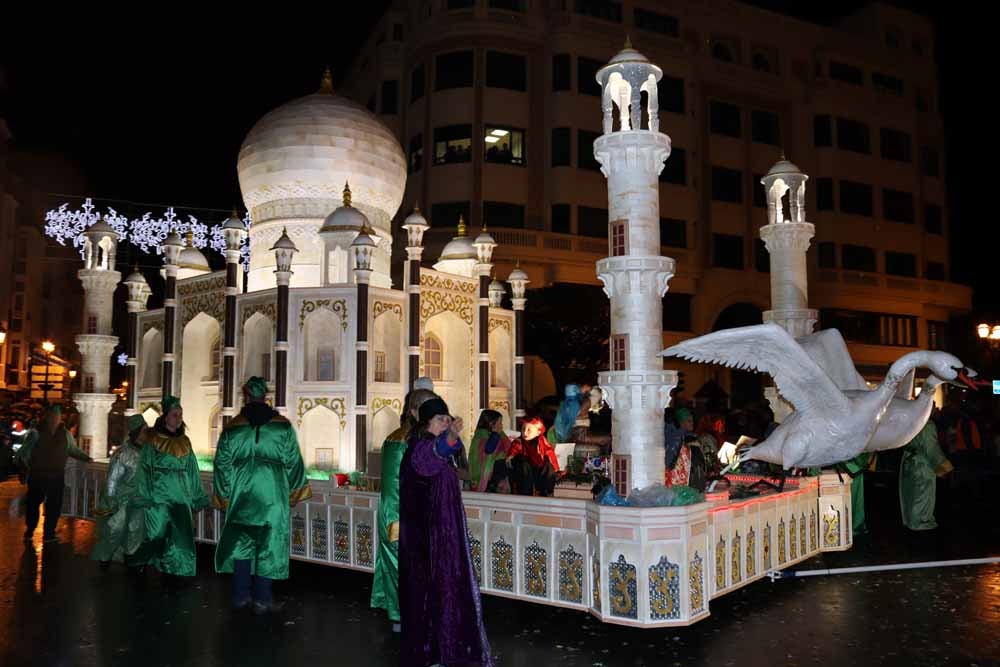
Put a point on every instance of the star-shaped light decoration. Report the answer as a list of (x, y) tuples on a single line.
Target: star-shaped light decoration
[(122, 359)]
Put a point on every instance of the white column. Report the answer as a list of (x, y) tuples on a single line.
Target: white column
[(95, 350), (787, 244)]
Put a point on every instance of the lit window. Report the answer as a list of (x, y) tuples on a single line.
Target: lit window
[(91, 324), (452, 143), (380, 367), (504, 145), (619, 238), (619, 352), (432, 358), (325, 364)]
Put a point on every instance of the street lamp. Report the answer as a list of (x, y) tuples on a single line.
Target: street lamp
[(988, 331), (3, 335), (49, 347)]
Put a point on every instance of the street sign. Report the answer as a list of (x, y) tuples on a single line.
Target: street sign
[(996, 386)]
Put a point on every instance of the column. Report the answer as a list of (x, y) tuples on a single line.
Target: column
[(284, 250), (518, 280), (172, 247), (415, 226), (138, 295)]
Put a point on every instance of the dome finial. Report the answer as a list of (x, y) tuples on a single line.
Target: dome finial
[(628, 41), (326, 84), (783, 155), (416, 207), (461, 225), (190, 238), (347, 194)]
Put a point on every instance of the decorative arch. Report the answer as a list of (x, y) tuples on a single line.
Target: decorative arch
[(384, 421), (456, 385), (432, 357), (323, 350), (321, 437), (199, 387), (387, 342), (151, 361), (257, 346)]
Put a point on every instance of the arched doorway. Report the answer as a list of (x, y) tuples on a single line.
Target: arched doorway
[(745, 387), (200, 361)]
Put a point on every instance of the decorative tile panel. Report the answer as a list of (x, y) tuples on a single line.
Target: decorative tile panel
[(476, 551), (767, 547), (595, 567), (812, 531), (751, 565), (664, 590), (793, 545), (622, 589), (502, 565), (831, 528), (364, 546), (341, 542), (802, 534), (536, 570), (320, 537), (298, 535), (570, 575), (781, 541), (720, 564), (696, 584), (734, 560)]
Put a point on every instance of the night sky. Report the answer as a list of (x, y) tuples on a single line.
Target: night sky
[(159, 120)]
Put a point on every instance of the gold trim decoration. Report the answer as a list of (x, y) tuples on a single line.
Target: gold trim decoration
[(210, 303), (338, 307), (454, 284), (379, 403), (213, 284), (300, 494), (500, 406), (152, 323), (536, 570), (497, 323), (268, 308), (433, 303), (695, 585), (383, 307), (622, 588), (334, 404), (664, 590), (219, 502)]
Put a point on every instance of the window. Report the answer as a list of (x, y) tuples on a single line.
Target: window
[(502, 214), (897, 206), (88, 383), (390, 97), (671, 94), (895, 145), (727, 185), (765, 127), (433, 358), (619, 352), (935, 271), (379, 366), (585, 150), (452, 143), (762, 258), (504, 145), (453, 70), (724, 119), (446, 214), (560, 218), (858, 258), (561, 72), (600, 9), (673, 232), (725, 50), (461, 4), (853, 136), (506, 70), (901, 264), (592, 222), (847, 73), (871, 328), (824, 194), (397, 32), (586, 76), (727, 251), (827, 254), (822, 131), (619, 238), (561, 147), (324, 458), (676, 311), (932, 219), (675, 168), (91, 324), (643, 19), (886, 83), (764, 60), (937, 335), (929, 162), (417, 83), (759, 193), (856, 198), (416, 160)]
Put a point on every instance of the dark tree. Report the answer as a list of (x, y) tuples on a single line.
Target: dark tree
[(568, 326)]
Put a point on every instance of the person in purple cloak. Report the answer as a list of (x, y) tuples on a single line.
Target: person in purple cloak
[(441, 612)]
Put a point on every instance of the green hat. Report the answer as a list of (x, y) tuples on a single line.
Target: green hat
[(169, 403), (134, 423), (53, 408), (256, 387)]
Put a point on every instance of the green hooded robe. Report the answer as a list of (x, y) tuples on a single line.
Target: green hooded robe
[(385, 585), (922, 463), (119, 526)]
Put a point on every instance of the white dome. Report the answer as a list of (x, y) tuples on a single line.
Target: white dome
[(192, 258), (295, 160), (459, 247)]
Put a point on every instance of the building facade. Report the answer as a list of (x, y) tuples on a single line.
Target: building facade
[(494, 103)]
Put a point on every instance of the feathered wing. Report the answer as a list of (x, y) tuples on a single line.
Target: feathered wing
[(828, 349), (770, 349)]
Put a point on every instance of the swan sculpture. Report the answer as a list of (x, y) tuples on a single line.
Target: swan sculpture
[(904, 418), (827, 426)]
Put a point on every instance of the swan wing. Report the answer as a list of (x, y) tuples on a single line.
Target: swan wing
[(828, 349), (770, 349)]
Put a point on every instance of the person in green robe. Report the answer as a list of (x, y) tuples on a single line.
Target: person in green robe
[(856, 468), (488, 449), (259, 475), (169, 491), (119, 526), (385, 585), (922, 463)]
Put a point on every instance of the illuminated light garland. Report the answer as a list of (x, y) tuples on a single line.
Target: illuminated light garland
[(122, 359), (63, 224)]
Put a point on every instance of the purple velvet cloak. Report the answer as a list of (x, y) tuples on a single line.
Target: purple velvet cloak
[(442, 615)]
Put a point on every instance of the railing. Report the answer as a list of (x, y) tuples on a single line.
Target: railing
[(946, 293)]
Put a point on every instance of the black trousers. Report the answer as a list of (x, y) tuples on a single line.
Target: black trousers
[(49, 491), (526, 479)]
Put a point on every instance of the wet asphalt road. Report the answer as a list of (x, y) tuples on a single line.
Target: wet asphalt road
[(59, 608)]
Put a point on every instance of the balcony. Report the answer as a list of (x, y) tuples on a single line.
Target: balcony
[(937, 292)]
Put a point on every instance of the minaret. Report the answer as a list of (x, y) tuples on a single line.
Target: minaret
[(518, 280), (631, 152), (284, 250), (415, 226), (138, 295), (787, 241), (363, 249), (96, 343), (234, 232), (484, 245)]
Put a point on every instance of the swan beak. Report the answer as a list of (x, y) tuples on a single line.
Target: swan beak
[(964, 380)]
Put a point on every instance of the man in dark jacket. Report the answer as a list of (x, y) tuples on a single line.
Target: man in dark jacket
[(43, 458)]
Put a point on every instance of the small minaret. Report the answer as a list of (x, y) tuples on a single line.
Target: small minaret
[(787, 241), (284, 249), (484, 245), (415, 226), (138, 296), (518, 280), (363, 249), (631, 152), (234, 231), (96, 343)]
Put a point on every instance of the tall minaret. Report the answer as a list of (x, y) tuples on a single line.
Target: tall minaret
[(96, 343), (138, 295), (787, 241), (632, 151)]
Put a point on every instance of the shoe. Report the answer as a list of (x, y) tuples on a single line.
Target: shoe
[(260, 608), (397, 628)]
